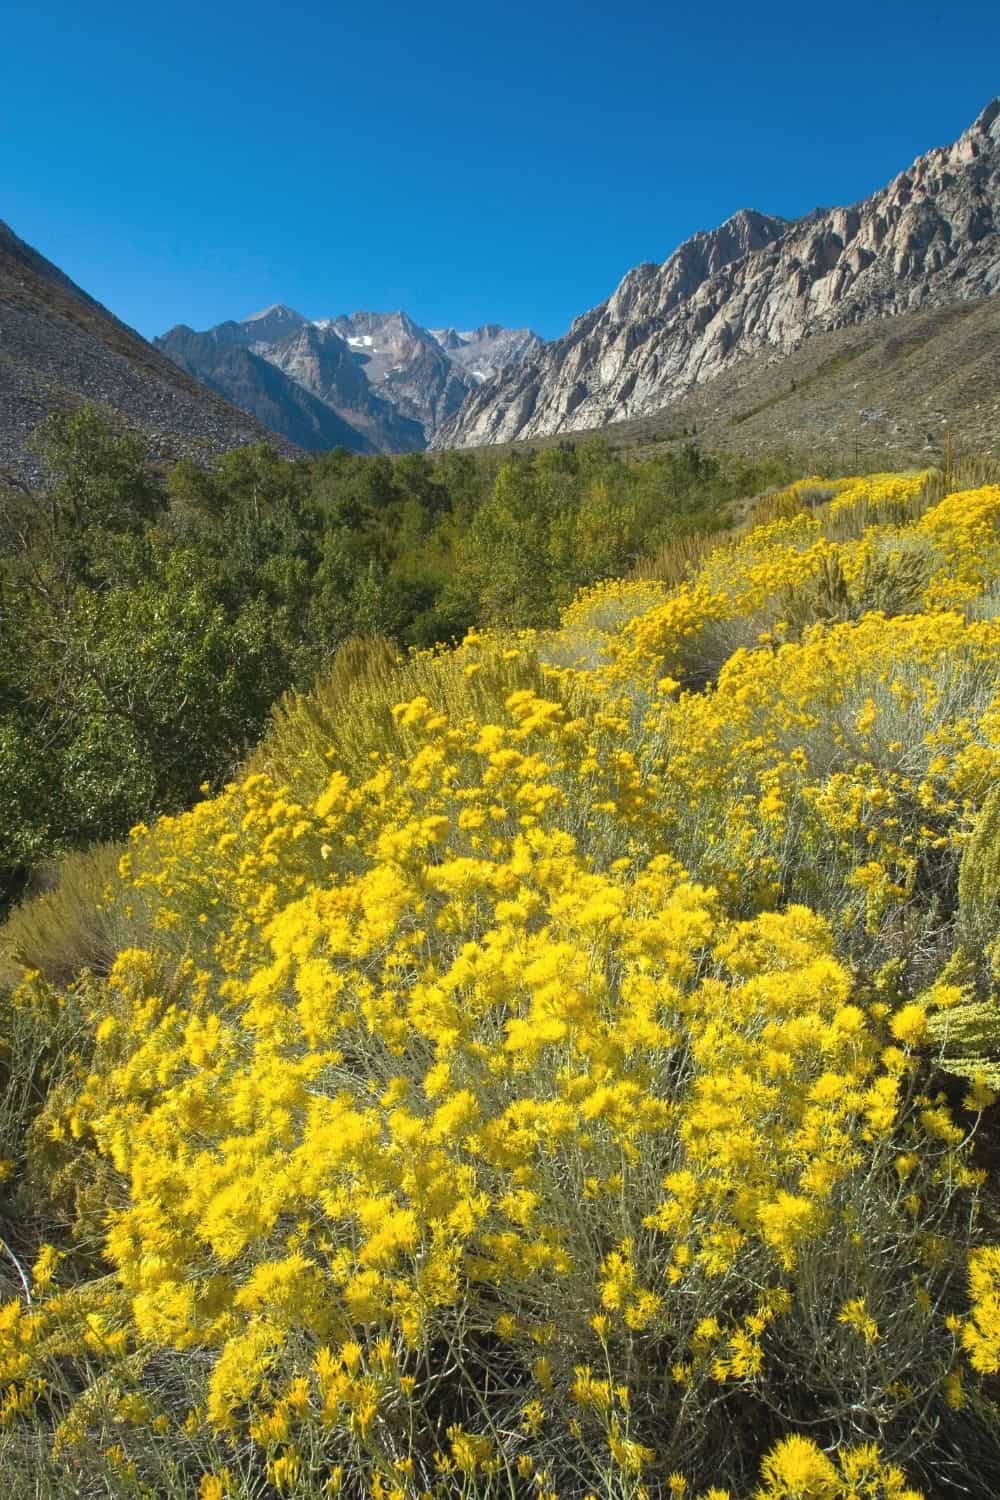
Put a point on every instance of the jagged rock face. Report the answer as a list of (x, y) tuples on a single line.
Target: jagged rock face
[(268, 327), (263, 389), (306, 386), (389, 383), (58, 348), (322, 363), (258, 331), (483, 352), (931, 237), (406, 365)]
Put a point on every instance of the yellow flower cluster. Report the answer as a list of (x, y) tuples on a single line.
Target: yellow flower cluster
[(743, 590), (508, 1107), (965, 527), (606, 606), (878, 495), (838, 766)]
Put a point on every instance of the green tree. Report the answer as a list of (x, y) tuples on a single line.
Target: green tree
[(97, 476)]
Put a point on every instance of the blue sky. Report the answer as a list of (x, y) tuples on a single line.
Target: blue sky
[(188, 162)]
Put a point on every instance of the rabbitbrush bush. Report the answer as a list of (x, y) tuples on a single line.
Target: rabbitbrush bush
[(525, 1084)]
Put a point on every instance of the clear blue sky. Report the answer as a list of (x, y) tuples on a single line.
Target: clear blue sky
[(199, 159)]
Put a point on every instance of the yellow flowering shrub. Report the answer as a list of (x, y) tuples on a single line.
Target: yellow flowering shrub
[(841, 768), (879, 497), (606, 607), (530, 1093), (966, 529)]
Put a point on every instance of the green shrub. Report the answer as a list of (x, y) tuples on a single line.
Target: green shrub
[(349, 708), (891, 582), (969, 1032), (676, 560), (40, 1037)]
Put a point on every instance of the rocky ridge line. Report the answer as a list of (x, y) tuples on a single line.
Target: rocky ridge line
[(59, 348), (930, 238), (387, 383)]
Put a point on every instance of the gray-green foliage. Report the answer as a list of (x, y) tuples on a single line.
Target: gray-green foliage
[(891, 582), (969, 1033), (73, 921), (969, 1036), (979, 877)]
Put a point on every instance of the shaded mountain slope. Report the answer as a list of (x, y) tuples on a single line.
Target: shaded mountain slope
[(262, 389), (59, 347)]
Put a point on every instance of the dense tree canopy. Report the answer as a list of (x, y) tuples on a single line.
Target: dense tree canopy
[(150, 617)]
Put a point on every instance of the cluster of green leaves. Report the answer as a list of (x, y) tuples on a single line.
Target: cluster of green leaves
[(149, 619)]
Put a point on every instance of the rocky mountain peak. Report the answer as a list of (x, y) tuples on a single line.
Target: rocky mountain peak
[(484, 351), (382, 327), (277, 312), (390, 382), (483, 332), (986, 124), (758, 282), (271, 323), (448, 338), (742, 232)]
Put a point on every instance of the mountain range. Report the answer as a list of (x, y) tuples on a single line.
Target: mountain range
[(882, 316), (757, 285), (371, 382)]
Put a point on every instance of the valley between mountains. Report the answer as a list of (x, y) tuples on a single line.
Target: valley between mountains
[(500, 876), (374, 383), (869, 328)]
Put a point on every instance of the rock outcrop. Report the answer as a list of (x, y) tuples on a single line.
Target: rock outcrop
[(487, 350), (928, 239)]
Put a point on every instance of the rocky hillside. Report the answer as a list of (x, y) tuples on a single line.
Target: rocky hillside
[(388, 383), (58, 348), (929, 239), (898, 391)]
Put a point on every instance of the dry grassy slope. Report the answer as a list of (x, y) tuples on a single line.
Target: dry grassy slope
[(59, 347), (887, 391)]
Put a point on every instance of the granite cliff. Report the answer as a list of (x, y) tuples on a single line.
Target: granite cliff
[(757, 283)]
